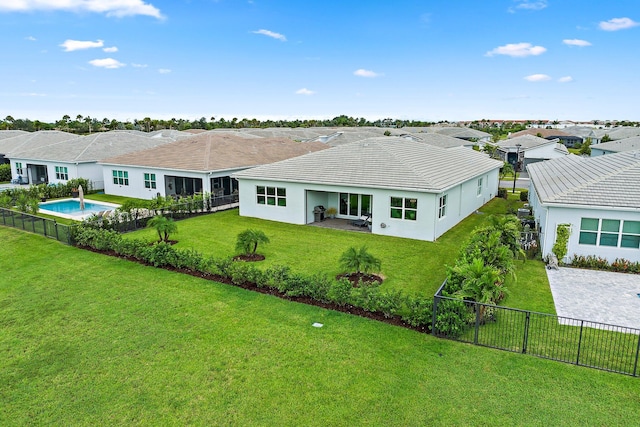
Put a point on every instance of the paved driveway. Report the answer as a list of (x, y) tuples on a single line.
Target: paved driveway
[(599, 296)]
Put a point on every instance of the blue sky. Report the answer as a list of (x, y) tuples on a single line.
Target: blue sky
[(282, 59)]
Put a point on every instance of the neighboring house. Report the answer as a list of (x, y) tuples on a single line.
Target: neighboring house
[(617, 133), (527, 149), (409, 188), (565, 138), (200, 164), (59, 158), (5, 134), (584, 132), (599, 197), (628, 144)]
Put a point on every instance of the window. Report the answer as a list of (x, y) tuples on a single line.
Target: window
[(274, 196), (442, 207), (404, 208), (19, 169), (479, 190), (61, 173), (149, 180), (120, 177), (354, 204), (609, 232)]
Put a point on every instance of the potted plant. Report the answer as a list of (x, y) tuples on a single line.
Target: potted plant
[(331, 212)]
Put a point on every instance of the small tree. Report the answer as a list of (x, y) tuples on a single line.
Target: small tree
[(249, 240), (359, 260), (586, 147), (164, 227), (560, 248), (507, 169)]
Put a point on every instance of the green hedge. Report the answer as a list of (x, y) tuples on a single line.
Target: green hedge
[(415, 311)]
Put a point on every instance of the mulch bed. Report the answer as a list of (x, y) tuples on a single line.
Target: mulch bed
[(349, 309), (360, 278), (249, 257)]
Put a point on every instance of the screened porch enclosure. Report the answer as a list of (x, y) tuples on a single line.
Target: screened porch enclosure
[(182, 186)]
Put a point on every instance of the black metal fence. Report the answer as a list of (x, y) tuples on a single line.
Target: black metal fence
[(580, 342), (137, 218), (43, 226)]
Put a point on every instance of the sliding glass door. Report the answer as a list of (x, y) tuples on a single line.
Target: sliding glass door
[(353, 204)]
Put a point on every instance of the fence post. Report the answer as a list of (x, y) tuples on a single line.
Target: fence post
[(44, 226), (475, 334), (635, 366), (580, 342), (55, 227), (526, 333), (436, 300)]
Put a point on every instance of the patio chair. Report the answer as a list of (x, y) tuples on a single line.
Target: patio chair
[(362, 222)]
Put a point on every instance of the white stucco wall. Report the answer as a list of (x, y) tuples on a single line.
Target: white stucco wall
[(302, 198), (553, 216), (90, 171)]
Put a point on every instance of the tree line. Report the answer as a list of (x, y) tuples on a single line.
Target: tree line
[(87, 124)]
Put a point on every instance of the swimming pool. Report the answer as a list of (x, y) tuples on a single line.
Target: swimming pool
[(70, 208)]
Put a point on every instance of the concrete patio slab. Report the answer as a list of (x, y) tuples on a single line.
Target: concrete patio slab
[(598, 296)]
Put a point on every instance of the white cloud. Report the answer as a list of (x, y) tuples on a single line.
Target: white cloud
[(71, 45), (616, 24), (30, 38), (164, 70), (271, 34), (139, 65), (537, 78), (519, 50), (365, 73), (117, 8), (305, 91), (576, 42), (565, 79), (531, 5), (110, 49), (107, 63)]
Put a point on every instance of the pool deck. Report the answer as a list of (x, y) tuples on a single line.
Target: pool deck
[(599, 296)]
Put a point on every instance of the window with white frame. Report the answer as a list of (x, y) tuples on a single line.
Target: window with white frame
[(62, 173), (610, 232), (442, 206), (149, 180), (479, 190), (404, 208), (273, 196), (19, 169), (120, 177)]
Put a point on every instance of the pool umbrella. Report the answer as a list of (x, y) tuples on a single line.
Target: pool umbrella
[(81, 197)]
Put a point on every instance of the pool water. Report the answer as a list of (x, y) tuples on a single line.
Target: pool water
[(70, 208)]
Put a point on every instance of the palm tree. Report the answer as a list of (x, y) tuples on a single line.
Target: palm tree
[(249, 240), (480, 283), (359, 260), (164, 227)]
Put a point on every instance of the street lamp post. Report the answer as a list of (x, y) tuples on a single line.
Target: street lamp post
[(515, 166)]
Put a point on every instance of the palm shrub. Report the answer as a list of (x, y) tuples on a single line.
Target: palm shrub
[(5, 172), (248, 241), (359, 261), (164, 227), (5, 200)]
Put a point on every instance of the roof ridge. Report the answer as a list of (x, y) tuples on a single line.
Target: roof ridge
[(597, 179)]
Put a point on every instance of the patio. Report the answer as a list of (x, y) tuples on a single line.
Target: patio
[(339, 224)]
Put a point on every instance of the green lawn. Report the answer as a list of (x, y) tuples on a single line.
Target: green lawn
[(91, 340), (414, 266)]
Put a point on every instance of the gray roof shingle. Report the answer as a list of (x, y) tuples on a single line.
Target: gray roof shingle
[(386, 162), (606, 181)]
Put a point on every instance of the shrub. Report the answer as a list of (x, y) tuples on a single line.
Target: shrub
[(5, 172), (340, 292), (244, 272), (562, 239), (450, 318), (419, 311), (524, 195), (502, 192)]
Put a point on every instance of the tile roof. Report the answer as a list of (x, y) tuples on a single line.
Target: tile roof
[(90, 148), (546, 133), (211, 151), (525, 141), (383, 162), (33, 140), (626, 144), (607, 181)]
